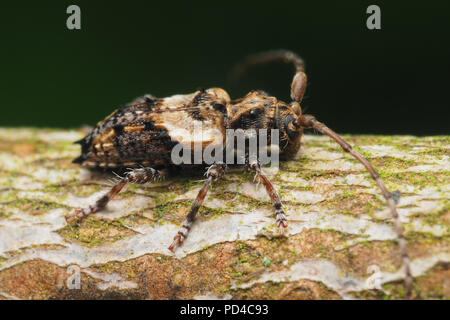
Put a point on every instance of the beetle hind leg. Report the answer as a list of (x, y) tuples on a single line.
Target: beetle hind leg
[(138, 176)]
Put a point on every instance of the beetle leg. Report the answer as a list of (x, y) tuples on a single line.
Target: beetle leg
[(214, 172), (274, 197), (139, 176)]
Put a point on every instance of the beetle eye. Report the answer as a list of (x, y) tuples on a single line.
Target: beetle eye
[(290, 128), (255, 112), (220, 107)]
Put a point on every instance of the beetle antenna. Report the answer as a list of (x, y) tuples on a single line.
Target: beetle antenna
[(266, 57), (309, 122), (298, 85)]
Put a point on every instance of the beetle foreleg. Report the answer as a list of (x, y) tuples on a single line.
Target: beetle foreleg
[(274, 197), (139, 176), (213, 173)]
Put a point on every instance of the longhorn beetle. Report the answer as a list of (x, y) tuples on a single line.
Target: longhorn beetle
[(142, 134)]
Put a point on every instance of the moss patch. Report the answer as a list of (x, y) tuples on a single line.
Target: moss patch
[(92, 232)]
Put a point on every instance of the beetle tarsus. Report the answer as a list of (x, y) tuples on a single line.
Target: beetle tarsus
[(177, 241)]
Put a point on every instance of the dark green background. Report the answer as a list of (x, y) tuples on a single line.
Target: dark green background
[(394, 80)]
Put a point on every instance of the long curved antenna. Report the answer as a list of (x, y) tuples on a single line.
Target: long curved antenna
[(298, 85), (309, 121)]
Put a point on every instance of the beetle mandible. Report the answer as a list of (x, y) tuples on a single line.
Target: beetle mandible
[(142, 134)]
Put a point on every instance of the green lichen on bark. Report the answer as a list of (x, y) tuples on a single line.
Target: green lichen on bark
[(340, 230)]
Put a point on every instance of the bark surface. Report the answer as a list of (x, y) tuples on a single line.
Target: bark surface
[(340, 241)]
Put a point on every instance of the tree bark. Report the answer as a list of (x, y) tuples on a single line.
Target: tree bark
[(340, 241)]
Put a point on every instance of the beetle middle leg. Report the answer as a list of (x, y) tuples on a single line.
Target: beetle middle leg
[(214, 172), (139, 176), (281, 221)]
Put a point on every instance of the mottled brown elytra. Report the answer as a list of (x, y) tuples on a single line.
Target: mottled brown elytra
[(142, 134)]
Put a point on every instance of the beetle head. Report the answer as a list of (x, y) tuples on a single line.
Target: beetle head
[(257, 110)]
